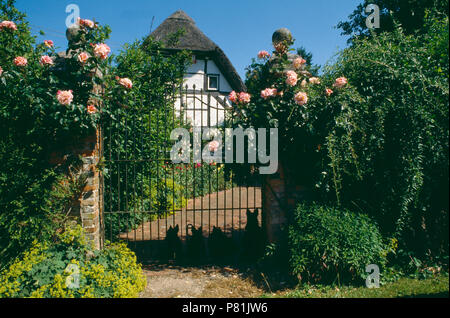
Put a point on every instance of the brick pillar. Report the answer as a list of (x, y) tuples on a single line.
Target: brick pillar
[(91, 198), (274, 205), (281, 194)]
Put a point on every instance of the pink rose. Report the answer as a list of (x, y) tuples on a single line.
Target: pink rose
[(304, 83), (91, 109), (64, 97), (20, 61), (83, 57), (126, 82), (298, 62), (292, 78), (1, 71), (8, 25), (314, 80), (268, 92), (328, 92), (340, 82), (281, 48), (244, 97), (102, 50), (233, 97), (263, 54), (301, 98), (46, 60), (86, 23), (48, 43), (213, 146)]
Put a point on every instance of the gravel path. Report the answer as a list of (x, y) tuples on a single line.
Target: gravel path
[(211, 282)]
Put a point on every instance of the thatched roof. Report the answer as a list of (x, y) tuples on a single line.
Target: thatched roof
[(193, 39)]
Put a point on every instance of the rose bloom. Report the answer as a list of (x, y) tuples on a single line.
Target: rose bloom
[(301, 98), (328, 92), (126, 82), (303, 83), (83, 57), (268, 92), (48, 43), (8, 25), (91, 109), (1, 71), (314, 80), (280, 48), (263, 54), (244, 97), (102, 51), (340, 82), (298, 62), (20, 61), (214, 146), (86, 23), (233, 97), (46, 60), (291, 78), (64, 97)]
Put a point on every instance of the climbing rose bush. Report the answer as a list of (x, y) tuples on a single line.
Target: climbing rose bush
[(284, 95), (48, 104)]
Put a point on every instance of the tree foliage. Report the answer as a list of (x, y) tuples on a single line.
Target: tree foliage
[(379, 144), (410, 14)]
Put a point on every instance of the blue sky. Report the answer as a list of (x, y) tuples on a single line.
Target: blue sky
[(240, 28)]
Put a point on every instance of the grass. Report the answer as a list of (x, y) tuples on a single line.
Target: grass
[(403, 288)]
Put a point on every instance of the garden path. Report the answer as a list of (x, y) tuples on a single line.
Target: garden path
[(208, 282)]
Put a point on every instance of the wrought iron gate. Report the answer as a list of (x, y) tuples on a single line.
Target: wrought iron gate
[(145, 194)]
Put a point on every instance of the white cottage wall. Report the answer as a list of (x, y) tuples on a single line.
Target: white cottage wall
[(196, 107)]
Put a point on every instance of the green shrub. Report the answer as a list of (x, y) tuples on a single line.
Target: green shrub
[(68, 268), (333, 245)]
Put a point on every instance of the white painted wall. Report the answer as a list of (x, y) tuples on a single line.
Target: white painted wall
[(196, 73)]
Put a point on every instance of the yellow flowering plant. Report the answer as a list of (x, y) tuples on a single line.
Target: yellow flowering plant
[(70, 269)]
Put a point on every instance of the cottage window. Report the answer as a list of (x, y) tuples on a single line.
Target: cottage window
[(213, 82)]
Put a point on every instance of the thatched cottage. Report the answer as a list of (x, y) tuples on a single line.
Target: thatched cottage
[(211, 72)]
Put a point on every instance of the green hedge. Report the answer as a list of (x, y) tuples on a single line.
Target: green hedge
[(328, 244)]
